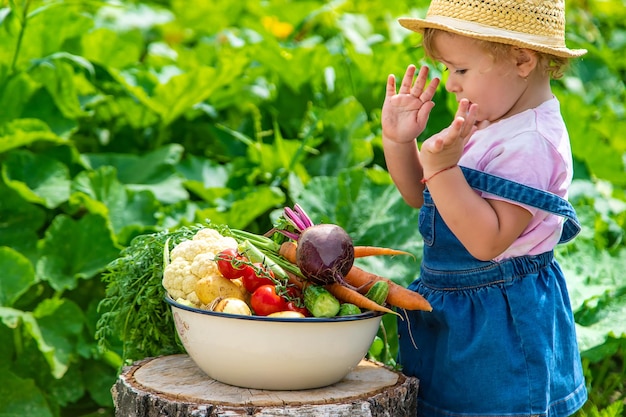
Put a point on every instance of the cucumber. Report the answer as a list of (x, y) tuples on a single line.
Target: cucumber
[(378, 292), (320, 302), (348, 309)]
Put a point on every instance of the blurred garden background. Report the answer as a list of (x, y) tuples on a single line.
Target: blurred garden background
[(119, 119)]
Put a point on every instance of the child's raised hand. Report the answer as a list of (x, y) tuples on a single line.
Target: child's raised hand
[(405, 113), (446, 147)]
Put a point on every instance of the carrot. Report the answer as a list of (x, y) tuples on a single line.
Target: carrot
[(296, 281), (363, 251), (288, 251), (399, 296), (348, 295)]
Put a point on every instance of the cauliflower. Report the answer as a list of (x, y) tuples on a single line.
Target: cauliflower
[(193, 260), (180, 282), (204, 265)]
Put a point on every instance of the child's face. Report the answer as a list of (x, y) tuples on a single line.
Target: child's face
[(474, 74)]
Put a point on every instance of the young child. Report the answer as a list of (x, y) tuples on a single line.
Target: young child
[(491, 189)]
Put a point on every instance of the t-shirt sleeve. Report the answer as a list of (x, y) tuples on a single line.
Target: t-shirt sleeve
[(529, 159)]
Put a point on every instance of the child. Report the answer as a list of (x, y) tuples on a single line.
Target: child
[(491, 189)]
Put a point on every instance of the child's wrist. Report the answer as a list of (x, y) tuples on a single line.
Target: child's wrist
[(399, 141), (430, 176)]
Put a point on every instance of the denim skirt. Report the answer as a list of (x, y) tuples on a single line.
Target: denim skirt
[(501, 338)]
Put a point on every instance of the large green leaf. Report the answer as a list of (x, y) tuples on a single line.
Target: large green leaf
[(180, 93), (99, 377), (75, 249), (243, 207), (21, 132), (37, 178), (205, 172), (21, 397), (599, 154), (154, 171), (602, 319), (348, 139), (15, 93), (20, 222), (112, 49), (48, 29), (593, 265), (26, 323), (62, 339), (101, 193), (57, 76), (18, 274), (598, 294), (70, 388)]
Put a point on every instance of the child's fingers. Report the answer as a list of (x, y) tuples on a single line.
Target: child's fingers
[(407, 80), (465, 119), (463, 108), (391, 86), (430, 91), (432, 146), (420, 89), (424, 113), (420, 82), (469, 121)]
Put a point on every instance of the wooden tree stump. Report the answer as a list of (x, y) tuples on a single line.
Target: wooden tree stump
[(174, 386)]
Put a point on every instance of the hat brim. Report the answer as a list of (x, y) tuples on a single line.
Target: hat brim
[(481, 32)]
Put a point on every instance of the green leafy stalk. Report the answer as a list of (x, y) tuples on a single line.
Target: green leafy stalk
[(135, 317), (20, 36), (255, 254), (268, 247)]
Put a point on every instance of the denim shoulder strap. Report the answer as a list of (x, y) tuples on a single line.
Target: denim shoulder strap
[(529, 196)]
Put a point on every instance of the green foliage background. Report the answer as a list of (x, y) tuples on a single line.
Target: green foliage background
[(120, 119)]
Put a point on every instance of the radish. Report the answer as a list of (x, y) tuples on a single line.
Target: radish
[(325, 254)]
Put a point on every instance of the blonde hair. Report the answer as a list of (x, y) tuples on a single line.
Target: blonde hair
[(554, 66)]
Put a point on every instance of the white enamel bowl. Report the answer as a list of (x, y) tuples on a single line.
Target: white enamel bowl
[(274, 353)]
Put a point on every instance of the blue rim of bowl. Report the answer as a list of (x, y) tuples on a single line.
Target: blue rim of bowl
[(356, 317)]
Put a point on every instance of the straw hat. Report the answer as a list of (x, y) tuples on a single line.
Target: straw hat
[(534, 24)]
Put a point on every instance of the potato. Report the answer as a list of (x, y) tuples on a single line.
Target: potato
[(287, 314), (213, 286), (231, 306)]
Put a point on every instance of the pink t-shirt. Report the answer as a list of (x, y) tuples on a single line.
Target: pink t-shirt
[(530, 148)]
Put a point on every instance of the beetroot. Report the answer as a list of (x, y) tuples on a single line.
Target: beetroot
[(325, 254)]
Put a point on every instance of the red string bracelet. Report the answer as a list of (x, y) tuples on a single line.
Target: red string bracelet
[(425, 180)]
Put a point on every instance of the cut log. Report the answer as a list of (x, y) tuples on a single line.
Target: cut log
[(174, 386)]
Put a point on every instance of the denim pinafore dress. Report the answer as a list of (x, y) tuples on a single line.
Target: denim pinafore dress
[(500, 340)]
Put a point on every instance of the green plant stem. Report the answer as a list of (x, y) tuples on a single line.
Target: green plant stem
[(20, 36)]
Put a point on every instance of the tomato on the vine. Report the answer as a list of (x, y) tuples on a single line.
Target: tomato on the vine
[(230, 263), (255, 275), (292, 306), (265, 301), (293, 291)]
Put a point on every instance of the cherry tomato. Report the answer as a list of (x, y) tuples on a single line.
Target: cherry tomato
[(230, 263), (265, 301), (291, 306), (255, 275), (293, 291)]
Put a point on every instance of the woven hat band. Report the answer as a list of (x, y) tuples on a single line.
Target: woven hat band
[(485, 31), (537, 17), (534, 24)]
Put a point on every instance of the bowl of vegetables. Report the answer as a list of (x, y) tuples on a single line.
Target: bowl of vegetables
[(285, 312), (274, 353)]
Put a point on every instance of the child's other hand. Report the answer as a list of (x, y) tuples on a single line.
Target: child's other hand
[(405, 113), (446, 147)]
